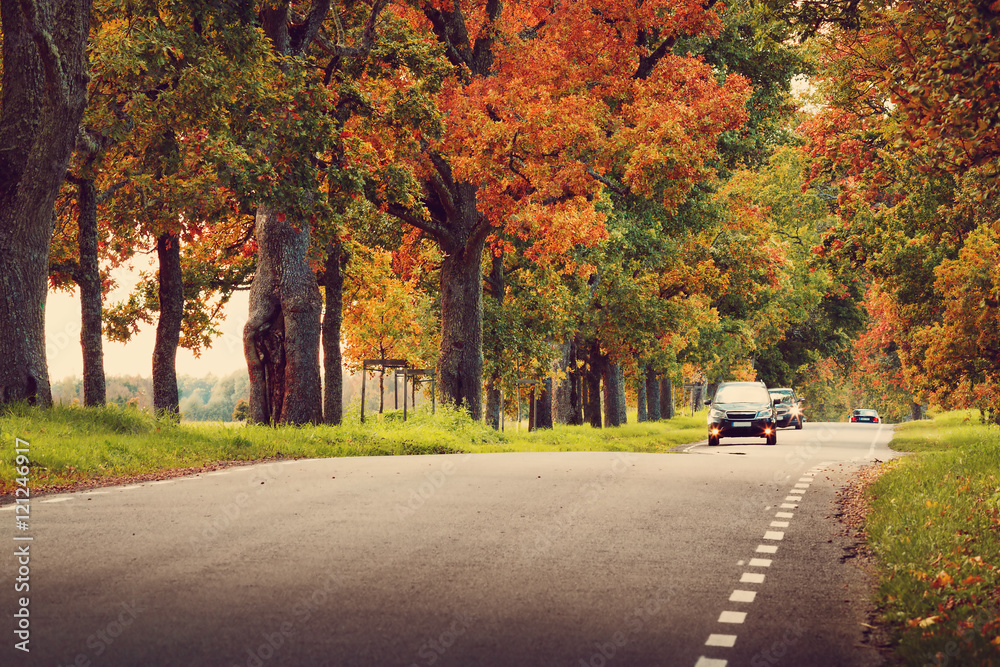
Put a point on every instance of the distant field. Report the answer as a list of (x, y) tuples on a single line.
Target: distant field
[(73, 446)]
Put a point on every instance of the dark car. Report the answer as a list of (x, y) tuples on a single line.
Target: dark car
[(865, 417), (789, 407), (741, 410)]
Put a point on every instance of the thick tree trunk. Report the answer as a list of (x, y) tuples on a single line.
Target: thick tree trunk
[(666, 398), (614, 395), (282, 335), (89, 279), (44, 91), (652, 395), (640, 385), (333, 317), (460, 366), (168, 327), (592, 378), (543, 409), (568, 402), (916, 414), (493, 391)]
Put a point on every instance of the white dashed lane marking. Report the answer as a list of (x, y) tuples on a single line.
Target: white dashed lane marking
[(739, 617), (727, 641), (732, 617), (710, 662)]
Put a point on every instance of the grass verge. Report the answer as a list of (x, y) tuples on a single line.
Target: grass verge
[(73, 446), (934, 527)]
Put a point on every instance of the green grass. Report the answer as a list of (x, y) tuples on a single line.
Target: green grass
[(73, 445), (934, 528)]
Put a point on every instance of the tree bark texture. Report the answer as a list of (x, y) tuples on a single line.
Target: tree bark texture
[(89, 279), (568, 396), (333, 317), (543, 409), (592, 378), (666, 398), (281, 338), (44, 92), (460, 365), (614, 395), (652, 395), (640, 385), (493, 390), (168, 326)]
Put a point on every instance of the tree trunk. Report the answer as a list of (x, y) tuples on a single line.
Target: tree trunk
[(614, 395), (44, 92), (333, 282), (592, 378), (652, 395), (282, 334), (89, 279), (666, 398), (543, 410), (168, 326), (640, 392), (460, 366), (915, 411), (493, 391), (531, 409)]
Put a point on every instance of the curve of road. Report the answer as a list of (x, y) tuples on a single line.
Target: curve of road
[(715, 556)]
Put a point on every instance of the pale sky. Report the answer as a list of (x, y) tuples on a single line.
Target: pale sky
[(62, 334)]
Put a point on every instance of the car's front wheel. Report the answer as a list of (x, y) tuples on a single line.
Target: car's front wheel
[(798, 424), (713, 441), (772, 439)]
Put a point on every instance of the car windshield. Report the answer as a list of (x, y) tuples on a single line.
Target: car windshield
[(741, 394), (781, 396), (865, 413)]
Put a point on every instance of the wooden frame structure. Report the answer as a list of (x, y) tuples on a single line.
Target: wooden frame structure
[(416, 376), (371, 365)]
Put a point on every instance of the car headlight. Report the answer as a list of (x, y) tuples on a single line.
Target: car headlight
[(716, 415), (763, 414), (795, 410)]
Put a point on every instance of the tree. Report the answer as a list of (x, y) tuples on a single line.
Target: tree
[(42, 97), (529, 147)]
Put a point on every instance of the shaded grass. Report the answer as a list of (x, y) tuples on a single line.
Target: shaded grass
[(74, 445), (935, 530)]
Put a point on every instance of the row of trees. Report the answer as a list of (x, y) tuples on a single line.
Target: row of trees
[(585, 195)]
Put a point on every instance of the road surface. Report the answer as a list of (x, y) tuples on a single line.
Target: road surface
[(716, 556)]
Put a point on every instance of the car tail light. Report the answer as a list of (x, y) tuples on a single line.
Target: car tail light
[(854, 419)]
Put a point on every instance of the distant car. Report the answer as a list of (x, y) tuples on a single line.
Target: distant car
[(865, 416), (741, 410), (788, 406)]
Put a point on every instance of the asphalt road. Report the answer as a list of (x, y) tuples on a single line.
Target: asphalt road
[(727, 555)]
